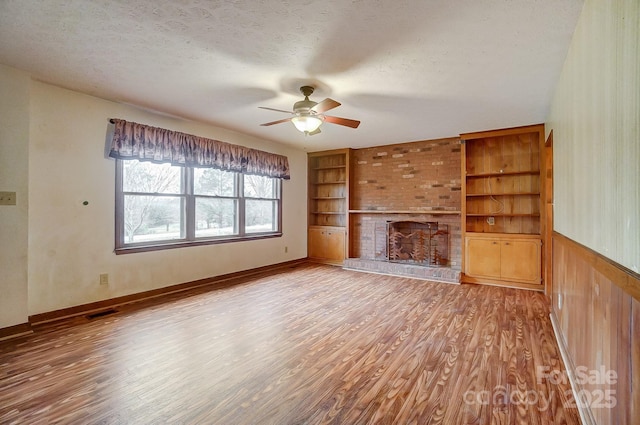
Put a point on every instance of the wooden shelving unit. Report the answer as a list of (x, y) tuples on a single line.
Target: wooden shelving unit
[(328, 205), (502, 212), (503, 173), (421, 212)]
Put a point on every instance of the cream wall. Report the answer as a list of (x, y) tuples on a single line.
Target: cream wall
[(595, 118), (71, 244), (14, 142)]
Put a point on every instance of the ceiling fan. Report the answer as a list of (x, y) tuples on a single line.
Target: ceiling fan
[(309, 115)]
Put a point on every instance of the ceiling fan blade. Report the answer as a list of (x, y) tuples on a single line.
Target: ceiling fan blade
[(342, 121), (276, 122), (277, 110), (325, 105)]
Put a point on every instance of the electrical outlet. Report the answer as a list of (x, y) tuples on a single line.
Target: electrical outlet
[(286, 249), (491, 221), (7, 198), (104, 279)]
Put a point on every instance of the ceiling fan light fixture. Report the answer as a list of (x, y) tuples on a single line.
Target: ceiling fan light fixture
[(307, 123), (308, 115)]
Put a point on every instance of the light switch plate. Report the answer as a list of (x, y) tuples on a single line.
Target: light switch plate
[(7, 198)]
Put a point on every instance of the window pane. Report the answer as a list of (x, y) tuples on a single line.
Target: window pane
[(212, 182), (261, 216), (216, 217), (151, 178), (259, 187), (152, 218)]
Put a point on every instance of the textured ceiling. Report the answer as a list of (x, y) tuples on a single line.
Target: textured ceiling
[(407, 69)]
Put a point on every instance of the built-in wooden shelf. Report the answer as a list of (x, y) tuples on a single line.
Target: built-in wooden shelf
[(502, 188), (437, 212), (328, 202), (330, 167), (502, 215), (505, 173), (504, 194)]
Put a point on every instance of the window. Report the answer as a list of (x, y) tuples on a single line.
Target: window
[(161, 206)]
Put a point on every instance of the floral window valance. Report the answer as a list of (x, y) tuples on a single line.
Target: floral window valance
[(142, 142)]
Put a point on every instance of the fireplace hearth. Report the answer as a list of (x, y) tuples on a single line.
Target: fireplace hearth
[(418, 248)]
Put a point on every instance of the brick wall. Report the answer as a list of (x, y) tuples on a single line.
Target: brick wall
[(416, 177)]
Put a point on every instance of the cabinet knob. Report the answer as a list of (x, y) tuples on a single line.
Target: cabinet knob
[(506, 243), (494, 243)]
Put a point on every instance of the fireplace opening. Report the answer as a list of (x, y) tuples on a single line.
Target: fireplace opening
[(417, 242)]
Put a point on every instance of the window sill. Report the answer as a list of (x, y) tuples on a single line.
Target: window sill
[(183, 244)]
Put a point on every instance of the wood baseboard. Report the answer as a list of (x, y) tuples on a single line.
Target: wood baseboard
[(127, 299), (325, 261), (15, 331), (504, 283), (586, 416)]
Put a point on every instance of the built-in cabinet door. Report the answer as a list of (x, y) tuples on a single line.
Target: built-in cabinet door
[(327, 243), (483, 257), (335, 245), (316, 243), (520, 260), (504, 259)]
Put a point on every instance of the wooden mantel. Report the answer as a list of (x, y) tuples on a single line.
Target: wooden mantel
[(436, 212)]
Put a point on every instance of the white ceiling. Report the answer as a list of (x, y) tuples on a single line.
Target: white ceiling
[(407, 69)]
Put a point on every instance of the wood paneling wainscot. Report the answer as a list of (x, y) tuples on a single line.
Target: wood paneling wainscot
[(596, 316)]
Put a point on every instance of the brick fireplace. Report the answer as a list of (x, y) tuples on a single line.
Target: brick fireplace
[(417, 182)]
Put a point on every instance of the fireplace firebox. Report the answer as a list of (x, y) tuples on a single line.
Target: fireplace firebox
[(417, 242)]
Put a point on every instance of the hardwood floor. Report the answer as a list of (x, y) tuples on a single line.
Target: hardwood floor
[(311, 344)]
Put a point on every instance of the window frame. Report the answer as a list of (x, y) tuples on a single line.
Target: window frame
[(188, 209)]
